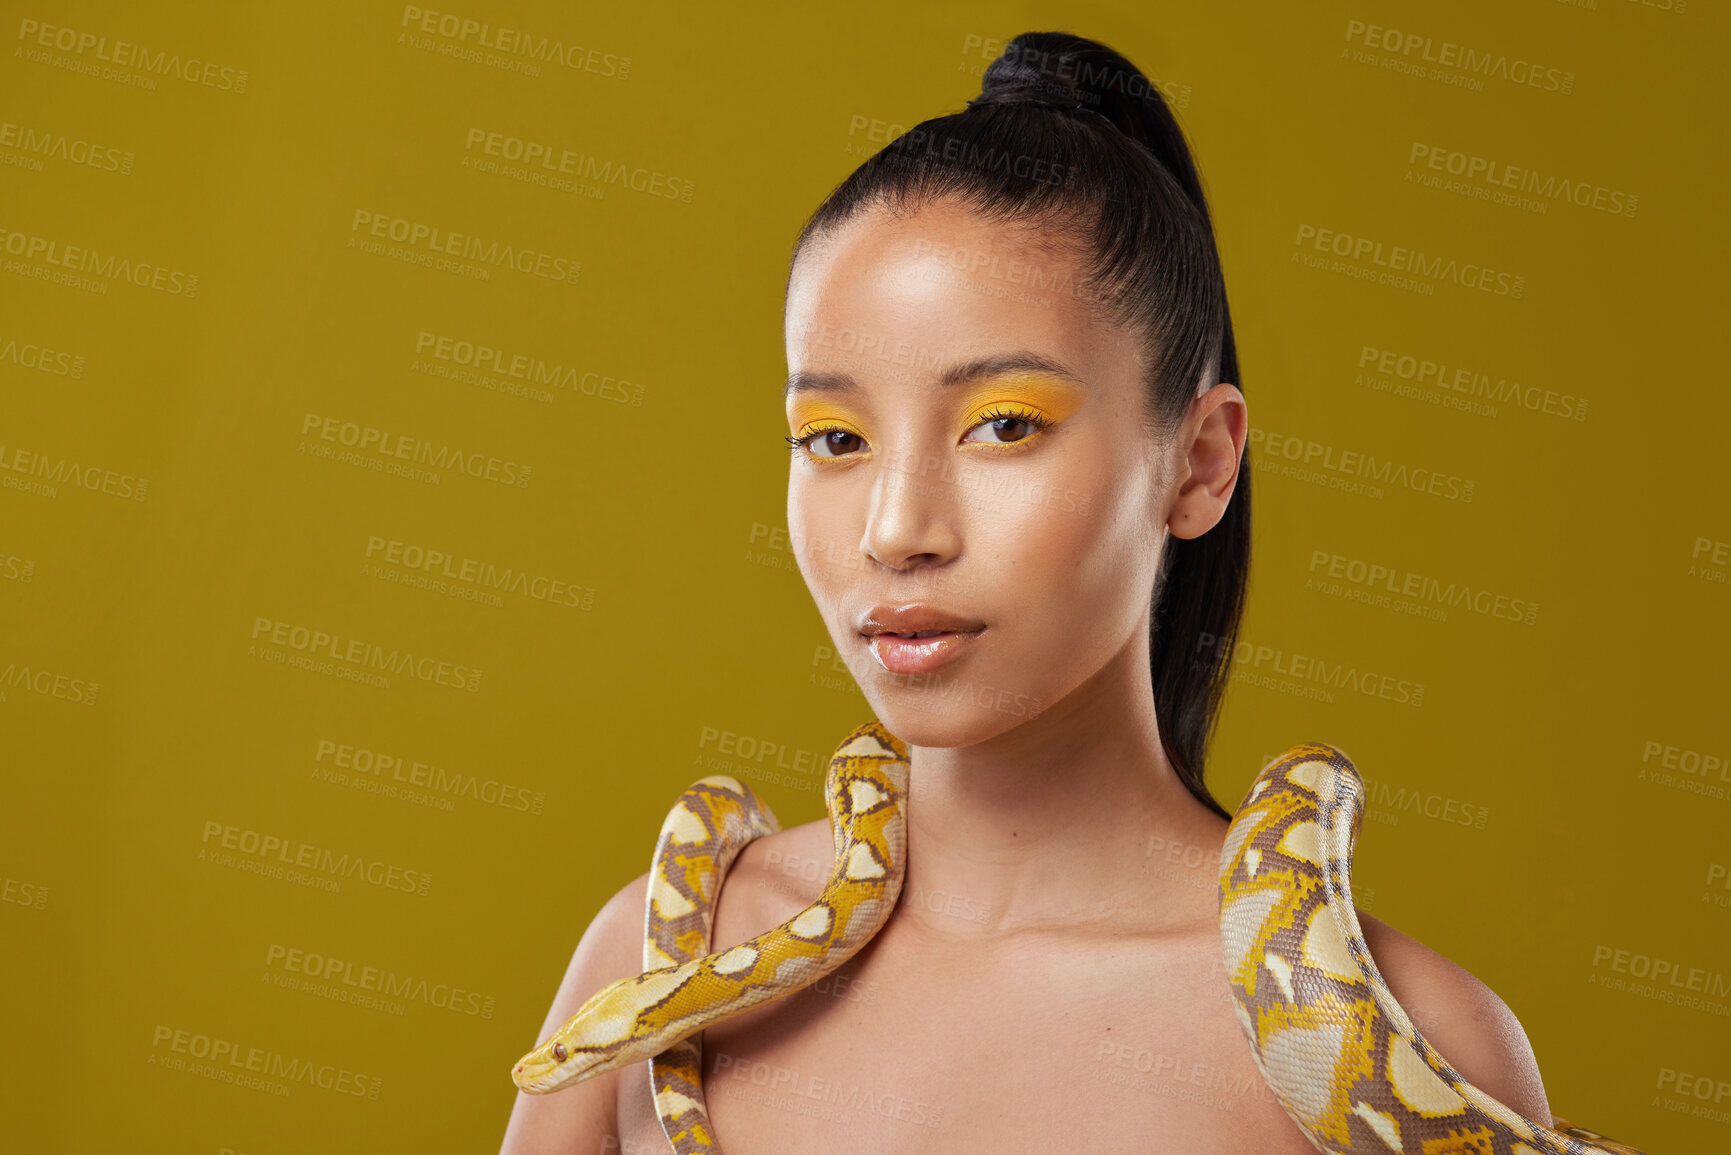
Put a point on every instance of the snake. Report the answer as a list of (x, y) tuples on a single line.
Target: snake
[(1340, 1053), (641, 1017), (1343, 1058)]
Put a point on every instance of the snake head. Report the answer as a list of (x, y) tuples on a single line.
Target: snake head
[(553, 1065), (606, 1033)]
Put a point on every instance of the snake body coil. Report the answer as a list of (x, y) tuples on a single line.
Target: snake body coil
[(1341, 1054), (710, 824), (638, 1018)]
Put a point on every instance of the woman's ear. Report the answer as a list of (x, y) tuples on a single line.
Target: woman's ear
[(1210, 447)]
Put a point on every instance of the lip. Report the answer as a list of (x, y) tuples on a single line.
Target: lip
[(953, 634)]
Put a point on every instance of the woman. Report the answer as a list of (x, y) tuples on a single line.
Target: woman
[(1019, 498)]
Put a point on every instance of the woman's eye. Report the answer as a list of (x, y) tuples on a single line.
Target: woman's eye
[(999, 427), (827, 442), (834, 442), (1004, 430), (1007, 427)]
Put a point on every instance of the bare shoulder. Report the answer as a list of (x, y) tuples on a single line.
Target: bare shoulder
[(772, 878), (584, 1117), (1465, 1020)]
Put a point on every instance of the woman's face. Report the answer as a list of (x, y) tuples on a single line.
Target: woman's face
[(975, 457)]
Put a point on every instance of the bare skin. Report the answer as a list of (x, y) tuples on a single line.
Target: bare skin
[(1052, 971)]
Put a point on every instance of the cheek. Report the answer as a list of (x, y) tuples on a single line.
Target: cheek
[(1073, 547), (1073, 559), (823, 538)]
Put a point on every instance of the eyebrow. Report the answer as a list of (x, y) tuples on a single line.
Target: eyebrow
[(807, 380)]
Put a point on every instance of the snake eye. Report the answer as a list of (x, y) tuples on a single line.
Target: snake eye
[(560, 1053)]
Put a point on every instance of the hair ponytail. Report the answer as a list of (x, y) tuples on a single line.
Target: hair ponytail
[(1068, 133)]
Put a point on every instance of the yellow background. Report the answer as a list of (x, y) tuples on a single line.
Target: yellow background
[(659, 506)]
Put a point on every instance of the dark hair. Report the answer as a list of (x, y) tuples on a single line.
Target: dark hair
[(1069, 136)]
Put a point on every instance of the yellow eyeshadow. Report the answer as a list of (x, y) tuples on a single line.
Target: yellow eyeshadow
[(807, 415), (1052, 399)]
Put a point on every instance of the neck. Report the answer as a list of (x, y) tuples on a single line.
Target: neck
[(1069, 817)]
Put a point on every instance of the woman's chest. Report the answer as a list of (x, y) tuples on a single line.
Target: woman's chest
[(1116, 1049)]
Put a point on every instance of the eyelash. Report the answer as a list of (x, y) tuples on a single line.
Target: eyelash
[(996, 413)]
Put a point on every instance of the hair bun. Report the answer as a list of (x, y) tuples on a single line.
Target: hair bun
[(1065, 71), (1015, 77)]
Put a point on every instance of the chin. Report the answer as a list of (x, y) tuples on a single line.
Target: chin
[(924, 718)]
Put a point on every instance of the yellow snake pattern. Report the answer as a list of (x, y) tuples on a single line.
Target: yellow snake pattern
[(705, 831), (1342, 1056), (1340, 1053), (640, 1017)]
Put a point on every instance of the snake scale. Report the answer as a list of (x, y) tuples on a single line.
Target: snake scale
[(1340, 1053)]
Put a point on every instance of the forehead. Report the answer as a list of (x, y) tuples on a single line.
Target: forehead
[(889, 297)]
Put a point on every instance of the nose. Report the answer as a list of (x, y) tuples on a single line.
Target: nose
[(913, 516)]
